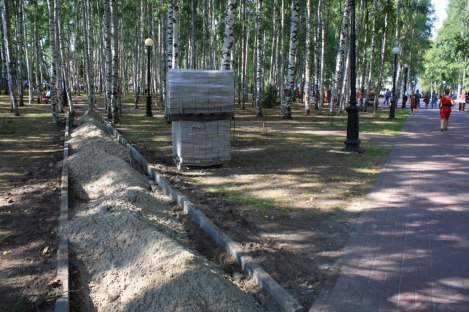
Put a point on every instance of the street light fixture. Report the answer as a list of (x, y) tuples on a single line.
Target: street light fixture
[(148, 44), (352, 144), (392, 110)]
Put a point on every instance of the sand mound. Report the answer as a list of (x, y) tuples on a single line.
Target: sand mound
[(129, 244)]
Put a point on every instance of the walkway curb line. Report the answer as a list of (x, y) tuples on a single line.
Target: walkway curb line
[(262, 278), (63, 303)]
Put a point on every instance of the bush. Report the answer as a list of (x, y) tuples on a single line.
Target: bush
[(269, 97)]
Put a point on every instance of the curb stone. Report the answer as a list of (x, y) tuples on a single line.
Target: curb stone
[(260, 276)]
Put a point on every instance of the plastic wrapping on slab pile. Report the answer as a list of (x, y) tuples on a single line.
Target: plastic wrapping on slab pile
[(194, 95)]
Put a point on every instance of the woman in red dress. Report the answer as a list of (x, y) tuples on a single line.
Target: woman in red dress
[(446, 102)]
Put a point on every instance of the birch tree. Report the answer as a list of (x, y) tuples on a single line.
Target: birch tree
[(108, 58), (114, 31), (53, 64), (259, 59), (175, 45), (382, 53), (9, 59), (340, 58), (306, 91), (20, 54), (229, 34), (88, 54), (373, 49), (295, 8)]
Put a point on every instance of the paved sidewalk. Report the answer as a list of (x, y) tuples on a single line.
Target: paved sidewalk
[(410, 251)]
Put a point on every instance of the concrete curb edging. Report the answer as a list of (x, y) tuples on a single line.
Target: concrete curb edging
[(63, 303), (262, 278)]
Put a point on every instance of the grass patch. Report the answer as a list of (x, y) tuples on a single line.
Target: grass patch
[(25, 138)]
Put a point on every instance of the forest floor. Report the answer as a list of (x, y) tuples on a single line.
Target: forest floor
[(31, 151), (289, 195)]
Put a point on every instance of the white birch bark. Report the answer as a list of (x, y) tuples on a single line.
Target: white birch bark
[(114, 30), (169, 38), (28, 60), (340, 58), (52, 82), (282, 60), (229, 34), (58, 58), (382, 54), (88, 55), (10, 63), (192, 44), (307, 82), (175, 45), (259, 60), (19, 54), (322, 62), (211, 10), (295, 9), (368, 87), (64, 64), (108, 57)]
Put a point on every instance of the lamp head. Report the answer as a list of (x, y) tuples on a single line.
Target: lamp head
[(148, 42), (396, 50)]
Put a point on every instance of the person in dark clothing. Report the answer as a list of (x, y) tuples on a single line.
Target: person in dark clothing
[(418, 96), (426, 99)]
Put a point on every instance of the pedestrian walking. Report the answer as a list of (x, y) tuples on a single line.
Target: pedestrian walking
[(387, 96), (418, 96), (426, 99), (446, 102), (434, 98), (413, 103)]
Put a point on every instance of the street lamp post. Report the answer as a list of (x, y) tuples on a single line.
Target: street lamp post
[(404, 93), (148, 44), (352, 144), (392, 109)]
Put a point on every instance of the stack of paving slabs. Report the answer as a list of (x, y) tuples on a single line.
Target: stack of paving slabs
[(200, 107)]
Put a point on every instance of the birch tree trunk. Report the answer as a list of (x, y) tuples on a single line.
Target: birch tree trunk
[(58, 58), (317, 55), (362, 105), (322, 63), (373, 49), (175, 46), (108, 58), (169, 38), (295, 8), (340, 58), (114, 30), (306, 97), (28, 61), (229, 34), (88, 55), (381, 61), (212, 33), (64, 65), (282, 60), (193, 61), (259, 61), (19, 54), (53, 64), (9, 59)]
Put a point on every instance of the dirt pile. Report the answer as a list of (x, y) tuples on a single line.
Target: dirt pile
[(129, 246)]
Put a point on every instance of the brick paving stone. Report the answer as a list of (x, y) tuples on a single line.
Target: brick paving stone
[(410, 250)]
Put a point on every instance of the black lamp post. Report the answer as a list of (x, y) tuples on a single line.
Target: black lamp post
[(392, 109), (148, 44), (352, 144)]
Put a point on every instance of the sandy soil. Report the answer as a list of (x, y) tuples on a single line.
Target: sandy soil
[(132, 253), (28, 240)]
